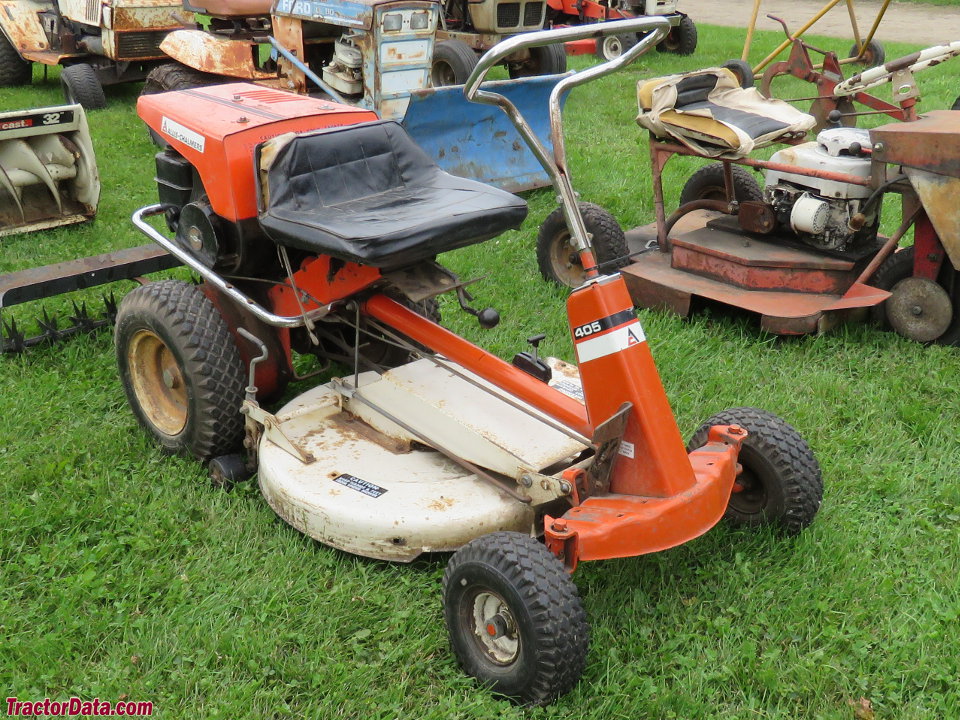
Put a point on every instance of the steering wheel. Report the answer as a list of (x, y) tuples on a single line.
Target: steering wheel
[(913, 62)]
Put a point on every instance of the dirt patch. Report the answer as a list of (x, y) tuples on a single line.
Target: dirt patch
[(903, 22)]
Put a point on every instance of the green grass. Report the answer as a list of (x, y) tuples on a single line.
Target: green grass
[(123, 573)]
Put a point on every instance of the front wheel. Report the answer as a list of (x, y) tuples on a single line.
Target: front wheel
[(453, 61), (514, 618), (918, 309), (780, 482), (559, 260), (613, 46), (546, 60), (81, 85), (180, 369), (682, 39)]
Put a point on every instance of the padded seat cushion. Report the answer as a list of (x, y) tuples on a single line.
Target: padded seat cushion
[(711, 114), (368, 194)]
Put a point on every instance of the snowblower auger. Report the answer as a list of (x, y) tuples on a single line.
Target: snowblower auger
[(48, 171)]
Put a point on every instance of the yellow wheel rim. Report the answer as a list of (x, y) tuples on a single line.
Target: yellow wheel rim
[(158, 382)]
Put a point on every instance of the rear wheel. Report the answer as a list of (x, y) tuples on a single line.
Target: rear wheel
[(780, 482), (180, 369), (173, 76), (682, 39), (559, 261), (918, 309), (453, 61), (514, 618), (14, 70), (81, 85), (707, 184), (546, 60), (613, 46)]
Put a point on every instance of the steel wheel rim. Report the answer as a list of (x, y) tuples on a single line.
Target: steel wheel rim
[(566, 261), (493, 628), (158, 382)]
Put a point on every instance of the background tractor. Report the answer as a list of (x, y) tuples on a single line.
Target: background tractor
[(96, 43)]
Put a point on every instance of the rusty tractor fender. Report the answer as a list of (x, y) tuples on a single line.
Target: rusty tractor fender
[(228, 57)]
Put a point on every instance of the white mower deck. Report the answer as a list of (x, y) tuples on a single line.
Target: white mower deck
[(365, 485)]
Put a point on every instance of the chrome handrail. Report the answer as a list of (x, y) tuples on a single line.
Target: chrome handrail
[(656, 28)]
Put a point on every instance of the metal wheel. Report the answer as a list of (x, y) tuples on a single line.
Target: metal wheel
[(180, 369), (559, 261), (157, 380), (873, 54), (780, 482), (918, 309), (514, 618)]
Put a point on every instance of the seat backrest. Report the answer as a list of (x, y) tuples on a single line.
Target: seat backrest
[(331, 167)]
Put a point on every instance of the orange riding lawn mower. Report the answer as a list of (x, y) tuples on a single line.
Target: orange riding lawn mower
[(803, 251), (315, 229)]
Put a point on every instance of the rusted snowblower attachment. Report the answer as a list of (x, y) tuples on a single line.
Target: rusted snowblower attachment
[(48, 171)]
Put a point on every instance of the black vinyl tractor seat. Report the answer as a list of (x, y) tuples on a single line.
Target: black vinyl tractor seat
[(368, 194)]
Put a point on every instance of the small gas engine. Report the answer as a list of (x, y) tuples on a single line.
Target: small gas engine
[(826, 214)]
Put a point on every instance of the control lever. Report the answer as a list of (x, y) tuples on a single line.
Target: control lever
[(488, 317), (531, 363)]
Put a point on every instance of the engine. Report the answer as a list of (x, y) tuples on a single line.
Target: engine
[(825, 214), (344, 73)]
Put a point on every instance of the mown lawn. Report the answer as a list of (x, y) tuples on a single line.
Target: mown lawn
[(125, 574)]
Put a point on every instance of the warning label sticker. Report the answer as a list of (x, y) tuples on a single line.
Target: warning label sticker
[(361, 486)]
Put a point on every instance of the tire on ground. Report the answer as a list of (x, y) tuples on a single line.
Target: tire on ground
[(81, 85), (780, 484), (707, 184), (682, 39), (181, 369), (453, 61), (545, 60), (14, 70), (514, 618), (559, 261)]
